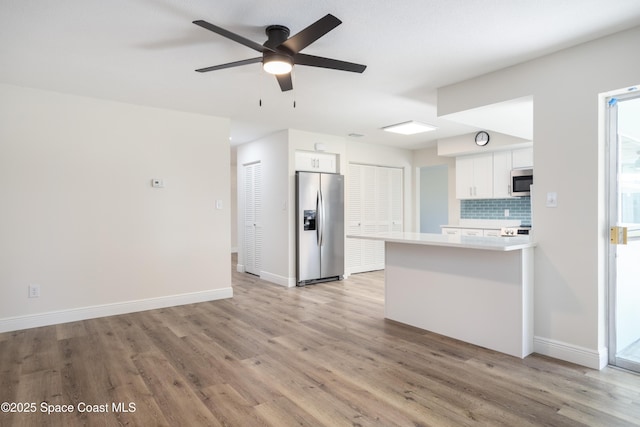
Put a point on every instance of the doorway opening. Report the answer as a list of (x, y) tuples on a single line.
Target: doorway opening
[(623, 138)]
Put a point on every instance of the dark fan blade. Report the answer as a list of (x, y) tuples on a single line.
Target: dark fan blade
[(230, 64), (312, 33), (285, 82), (233, 36), (334, 64)]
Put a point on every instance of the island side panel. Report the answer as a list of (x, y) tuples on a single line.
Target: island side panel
[(478, 296)]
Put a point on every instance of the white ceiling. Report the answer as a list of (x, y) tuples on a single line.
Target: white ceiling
[(145, 52)]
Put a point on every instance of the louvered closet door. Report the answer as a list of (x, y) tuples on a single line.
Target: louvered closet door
[(375, 203), (354, 217), (371, 250), (253, 218)]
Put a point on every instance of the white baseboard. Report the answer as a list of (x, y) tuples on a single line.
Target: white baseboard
[(234, 249), (571, 353), (240, 268), (288, 282), (83, 313)]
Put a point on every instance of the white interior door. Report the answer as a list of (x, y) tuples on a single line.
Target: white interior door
[(252, 242), (374, 204), (624, 259)]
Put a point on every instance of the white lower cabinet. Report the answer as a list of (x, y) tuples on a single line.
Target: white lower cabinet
[(451, 231), (479, 232)]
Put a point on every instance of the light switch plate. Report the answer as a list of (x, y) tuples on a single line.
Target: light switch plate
[(552, 199), (157, 183)]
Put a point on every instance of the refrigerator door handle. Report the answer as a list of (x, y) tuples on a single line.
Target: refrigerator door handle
[(318, 231), (320, 218)]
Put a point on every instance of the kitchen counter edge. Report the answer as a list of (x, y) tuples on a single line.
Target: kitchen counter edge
[(469, 242)]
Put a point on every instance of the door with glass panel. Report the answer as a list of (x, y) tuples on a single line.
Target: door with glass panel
[(624, 217)]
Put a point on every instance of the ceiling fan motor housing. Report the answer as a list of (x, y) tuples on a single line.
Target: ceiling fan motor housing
[(277, 34)]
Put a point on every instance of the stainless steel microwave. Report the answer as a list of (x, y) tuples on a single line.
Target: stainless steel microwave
[(521, 181)]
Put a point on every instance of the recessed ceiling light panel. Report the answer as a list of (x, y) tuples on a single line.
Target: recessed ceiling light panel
[(409, 128)]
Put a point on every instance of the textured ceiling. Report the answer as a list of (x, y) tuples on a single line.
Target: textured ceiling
[(145, 52)]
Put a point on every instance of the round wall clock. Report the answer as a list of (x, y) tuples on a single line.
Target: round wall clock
[(482, 138)]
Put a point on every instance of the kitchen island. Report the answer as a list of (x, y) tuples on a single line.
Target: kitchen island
[(475, 289)]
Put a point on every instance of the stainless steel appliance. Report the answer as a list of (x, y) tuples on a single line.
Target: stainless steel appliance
[(521, 181), (515, 231), (319, 227)]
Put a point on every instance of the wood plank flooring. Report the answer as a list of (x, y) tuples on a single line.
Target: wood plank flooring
[(322, 355)]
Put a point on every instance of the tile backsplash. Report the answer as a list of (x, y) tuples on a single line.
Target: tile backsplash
[(519, 208)]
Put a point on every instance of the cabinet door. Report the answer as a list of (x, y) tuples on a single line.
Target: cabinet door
[(451, 231), (501, 174), (491, 233), (483, 176), (472, 232), (474, 177), (464, 177), (311, 161), (523, 158), (326, 163)]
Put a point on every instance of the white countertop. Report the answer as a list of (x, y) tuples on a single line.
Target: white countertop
[(469, 242)]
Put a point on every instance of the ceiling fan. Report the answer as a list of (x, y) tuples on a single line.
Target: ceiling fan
[(281, 52)]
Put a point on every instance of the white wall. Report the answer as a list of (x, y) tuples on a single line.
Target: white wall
[(79, 216), (233, 203), (462, 145), (429, 157), (570, 262)]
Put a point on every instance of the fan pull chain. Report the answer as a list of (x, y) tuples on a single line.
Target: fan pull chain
[(261, 78), (293, 75)]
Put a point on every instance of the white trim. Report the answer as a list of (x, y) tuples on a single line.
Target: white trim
[(72, 315), (234, 249), (240, 268), (288, 282), (594, 359)]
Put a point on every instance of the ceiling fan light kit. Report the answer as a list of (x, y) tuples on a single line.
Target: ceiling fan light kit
[(276, 63), (281, 52)]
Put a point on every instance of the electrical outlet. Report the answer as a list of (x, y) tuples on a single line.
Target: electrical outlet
[(34, 291)]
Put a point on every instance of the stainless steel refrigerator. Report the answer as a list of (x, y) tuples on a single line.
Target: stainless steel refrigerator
[(319, 227)]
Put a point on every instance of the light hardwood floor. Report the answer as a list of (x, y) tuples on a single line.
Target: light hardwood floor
[(322, 355)]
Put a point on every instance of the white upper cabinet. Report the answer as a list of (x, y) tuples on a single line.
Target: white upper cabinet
[(313, 161), (502, 166), (522, 158), (488, 176), (474, 176)]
